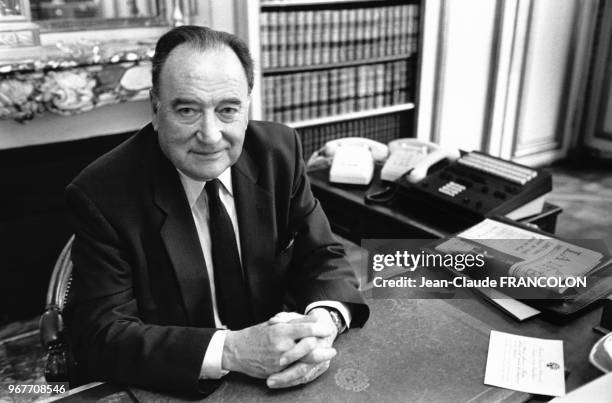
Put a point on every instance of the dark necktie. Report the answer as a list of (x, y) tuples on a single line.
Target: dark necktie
[(230, 286)]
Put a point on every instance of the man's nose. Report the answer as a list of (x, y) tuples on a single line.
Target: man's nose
[(209, 131)]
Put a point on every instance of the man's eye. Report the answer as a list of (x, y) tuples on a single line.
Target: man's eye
[(228, 111), (186, 112)]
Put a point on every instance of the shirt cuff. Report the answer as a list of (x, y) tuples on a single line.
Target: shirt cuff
[(339, 306), (211, 366)]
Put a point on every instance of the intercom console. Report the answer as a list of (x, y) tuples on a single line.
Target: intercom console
[(476, 186)]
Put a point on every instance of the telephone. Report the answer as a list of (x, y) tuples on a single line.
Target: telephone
[(353, 159), (414, 158)]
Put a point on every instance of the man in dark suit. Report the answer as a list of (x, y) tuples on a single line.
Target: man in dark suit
[(195, 235)]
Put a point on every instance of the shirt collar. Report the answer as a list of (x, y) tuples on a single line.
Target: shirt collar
[(193, 188)]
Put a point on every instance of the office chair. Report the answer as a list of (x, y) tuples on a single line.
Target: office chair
[(59, 364)]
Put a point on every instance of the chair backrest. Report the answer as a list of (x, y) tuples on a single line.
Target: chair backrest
[(59, 364), (61, 277)]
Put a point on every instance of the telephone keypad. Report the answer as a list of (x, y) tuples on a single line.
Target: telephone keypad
[(452, 189)]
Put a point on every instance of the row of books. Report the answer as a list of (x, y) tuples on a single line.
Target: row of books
[(383, 128), (312, 37), (315, 94)]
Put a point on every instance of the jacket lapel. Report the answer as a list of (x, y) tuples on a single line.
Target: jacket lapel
[(256, 222), (179, 235)]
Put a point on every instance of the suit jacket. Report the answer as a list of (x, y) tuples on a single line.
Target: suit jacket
[(140, 310)]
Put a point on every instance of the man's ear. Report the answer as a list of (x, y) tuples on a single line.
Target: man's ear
[(154, 107), (248, 111)]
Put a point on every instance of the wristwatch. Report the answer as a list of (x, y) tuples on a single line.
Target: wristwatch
[(337, 319)]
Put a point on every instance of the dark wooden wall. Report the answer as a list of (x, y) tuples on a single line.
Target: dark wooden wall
[(33, 218)]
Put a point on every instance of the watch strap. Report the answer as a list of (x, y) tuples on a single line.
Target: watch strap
[(337, 319)]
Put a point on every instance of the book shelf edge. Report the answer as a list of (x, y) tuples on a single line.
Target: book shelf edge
[(271, 71), (352, 115)]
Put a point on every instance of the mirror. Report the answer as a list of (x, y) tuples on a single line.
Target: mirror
[(79, 9), (70, 15)]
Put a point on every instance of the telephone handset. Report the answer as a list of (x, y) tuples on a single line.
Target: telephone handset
[(414, 158), (353, 159), (379, 150)]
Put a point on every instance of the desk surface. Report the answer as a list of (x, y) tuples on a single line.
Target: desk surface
[(420, 350)]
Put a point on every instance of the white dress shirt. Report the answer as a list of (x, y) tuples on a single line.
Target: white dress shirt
[(196, 196)]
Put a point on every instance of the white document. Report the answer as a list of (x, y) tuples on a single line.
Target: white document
[(526, 364)]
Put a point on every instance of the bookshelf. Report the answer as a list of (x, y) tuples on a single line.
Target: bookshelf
[(332, 69)]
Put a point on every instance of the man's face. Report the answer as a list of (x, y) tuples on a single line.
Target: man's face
[(201, 111)]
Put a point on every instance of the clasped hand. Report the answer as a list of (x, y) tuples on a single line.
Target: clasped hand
[(288, 350)]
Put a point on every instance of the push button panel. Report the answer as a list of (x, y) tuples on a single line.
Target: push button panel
[(451, 189)]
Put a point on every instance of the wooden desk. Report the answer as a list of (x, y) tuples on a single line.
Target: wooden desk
[(417, 350), (353, 219), (414, 349)]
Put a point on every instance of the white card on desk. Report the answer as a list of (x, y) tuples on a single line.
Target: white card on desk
[(527, 364)]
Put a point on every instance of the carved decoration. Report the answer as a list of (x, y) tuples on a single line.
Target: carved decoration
[(75, 78)]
